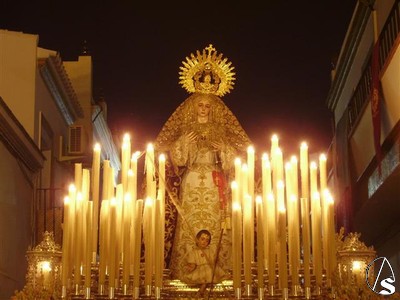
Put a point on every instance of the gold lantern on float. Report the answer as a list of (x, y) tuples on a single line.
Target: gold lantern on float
[(353, 258), (44, 263)]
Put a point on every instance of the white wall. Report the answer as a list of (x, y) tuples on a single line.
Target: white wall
[(80, 74), (17, 75), (15, 224)]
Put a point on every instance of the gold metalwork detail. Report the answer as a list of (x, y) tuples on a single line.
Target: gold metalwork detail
[(207, 73), (351, 242)]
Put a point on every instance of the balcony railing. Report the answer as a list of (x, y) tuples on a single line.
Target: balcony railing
[(48, 213), (387, 40)]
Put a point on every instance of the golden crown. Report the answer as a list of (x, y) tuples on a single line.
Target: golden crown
[(207, 73)]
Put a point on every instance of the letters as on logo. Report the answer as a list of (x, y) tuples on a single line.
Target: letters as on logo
[(383, 281)]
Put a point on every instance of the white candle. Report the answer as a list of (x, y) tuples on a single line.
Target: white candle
[(272, 237), (295, 184), (247, 247), (266, 190), (161, 175), (104, 241), (72, 224), (119, 195), (78, 245), (85, 216), (138, 243), (296, 220), (323, 186), (274, 146), (96, 198), (305, 214), (282, 254), (78, 176), (150, 172), (125, 157), (238, 176), (130, 183), (294, 247), (331, 235), (278, 175), (250, 165), (106, 179), (65, 244), (134, 162), (324, 221), (313, 179), (127, 239), (112, 251), (148, 240), (250, 174), (290, 215), (266, 176), (292, 220), (236, 240), (316, 237), (89, 233), (78, 236), (322, 172), (304, 170), (159, 250), (305, 217), (260, 243), (244, 187), (161, 187)]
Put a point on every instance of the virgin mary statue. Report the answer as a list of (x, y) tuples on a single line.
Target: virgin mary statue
[(202, 138)]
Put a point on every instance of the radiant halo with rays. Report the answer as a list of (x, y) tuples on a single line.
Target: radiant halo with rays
[(195, 70)]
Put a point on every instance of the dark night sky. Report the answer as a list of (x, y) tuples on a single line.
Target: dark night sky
[(282, 53)]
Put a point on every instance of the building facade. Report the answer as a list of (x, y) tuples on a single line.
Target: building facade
[(46, 126), (366, 177)]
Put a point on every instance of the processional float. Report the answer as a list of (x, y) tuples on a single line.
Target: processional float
[(281, 225)]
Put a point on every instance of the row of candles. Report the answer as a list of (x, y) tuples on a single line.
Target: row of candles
[(123, 218), (291, 205), (293, 213)]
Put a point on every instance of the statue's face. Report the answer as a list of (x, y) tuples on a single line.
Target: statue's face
[(203, 240), (203, 107)]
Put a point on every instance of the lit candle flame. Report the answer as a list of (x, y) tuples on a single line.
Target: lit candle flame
[(304, 146), (149, 201), (234, 185), (270, 197), (250, 149), (126, 138), (72, 188), (238, 162), (313, 165), (127, 197), (150, 147), (236, 206)]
